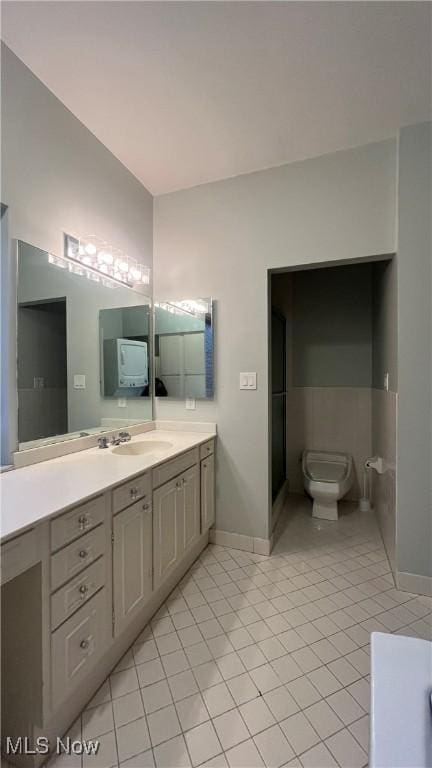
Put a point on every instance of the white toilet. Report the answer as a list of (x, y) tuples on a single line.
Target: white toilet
[(327, 477)]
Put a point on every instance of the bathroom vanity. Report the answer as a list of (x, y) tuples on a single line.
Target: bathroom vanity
[(92, 544)]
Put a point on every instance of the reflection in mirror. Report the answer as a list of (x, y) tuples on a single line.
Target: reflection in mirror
[(61, 313), (183, 349), (124, 334)]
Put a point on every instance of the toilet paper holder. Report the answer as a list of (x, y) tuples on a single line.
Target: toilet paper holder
[(376, 463)]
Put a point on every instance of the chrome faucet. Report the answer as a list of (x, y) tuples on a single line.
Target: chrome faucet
[(103, 442), (123, 437)]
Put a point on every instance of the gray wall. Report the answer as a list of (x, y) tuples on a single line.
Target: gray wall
[(384, 324), (56, 176), (332, 327), (414, 457), (220, 240), (384, 403)]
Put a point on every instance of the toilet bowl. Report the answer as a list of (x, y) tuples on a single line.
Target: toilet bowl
[(327, 477)]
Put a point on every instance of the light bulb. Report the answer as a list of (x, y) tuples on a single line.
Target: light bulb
[(135, 274), (90, 249), (105, 257)]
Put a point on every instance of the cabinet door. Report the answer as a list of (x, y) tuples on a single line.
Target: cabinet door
[(77, 645), (207, 493), (167, 534), (132, 562), (190, 500)]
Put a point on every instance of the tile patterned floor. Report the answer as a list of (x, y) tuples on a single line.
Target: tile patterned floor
[(256, 661)]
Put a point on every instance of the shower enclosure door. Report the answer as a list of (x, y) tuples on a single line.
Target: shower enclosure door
[(278, 375)]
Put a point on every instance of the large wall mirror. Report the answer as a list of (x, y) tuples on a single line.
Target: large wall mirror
[(84, 351), (183, 349)]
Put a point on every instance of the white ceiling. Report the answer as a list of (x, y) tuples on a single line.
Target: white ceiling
[(190, 92)]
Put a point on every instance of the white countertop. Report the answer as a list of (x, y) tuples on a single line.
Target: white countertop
[(34, 493), (401, 714)]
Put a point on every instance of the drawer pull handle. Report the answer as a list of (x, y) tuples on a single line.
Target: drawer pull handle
[(208, 449), (83, 589), (134, 491), (205, 466), (84, 644), (146, 507), (83, 521), (178, 484), (82, 553), (184, 481)]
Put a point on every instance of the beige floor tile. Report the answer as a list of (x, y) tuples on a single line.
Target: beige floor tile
[(273, 747), (318, 757), (245, 755), (257, 715), (299, 732), (202, 743), (346, 750), (324, 719)]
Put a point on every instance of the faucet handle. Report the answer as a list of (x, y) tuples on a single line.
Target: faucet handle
[(102, 442), (124, 436)]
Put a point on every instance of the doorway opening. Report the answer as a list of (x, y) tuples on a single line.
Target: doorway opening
[(42, 370), (333, 385)]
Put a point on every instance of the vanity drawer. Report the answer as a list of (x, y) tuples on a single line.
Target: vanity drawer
[(176, 466), (206, 449), (77, 645), (75, 593), (77, 521), (132, 491), (17, 555), (76, 556)]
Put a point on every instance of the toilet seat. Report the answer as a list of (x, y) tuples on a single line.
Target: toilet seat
[(326, 471)]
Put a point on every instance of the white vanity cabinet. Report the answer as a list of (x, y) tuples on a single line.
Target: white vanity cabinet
[(176, 522), (80, 586), (132, 563)]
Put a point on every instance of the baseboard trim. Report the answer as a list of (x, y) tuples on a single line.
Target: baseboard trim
[(242, 542), (414, 583), (279, 503)]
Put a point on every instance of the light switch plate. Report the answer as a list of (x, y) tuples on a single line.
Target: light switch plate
[(190, 404), (248, 380), (121, 402), (79, 381)]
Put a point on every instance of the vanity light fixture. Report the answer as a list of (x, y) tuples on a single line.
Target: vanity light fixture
[(97, 260), (195, 307)]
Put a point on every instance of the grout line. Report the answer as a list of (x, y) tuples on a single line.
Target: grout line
[(243, 561)]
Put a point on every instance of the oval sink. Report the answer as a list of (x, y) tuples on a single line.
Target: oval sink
[(137, 449)]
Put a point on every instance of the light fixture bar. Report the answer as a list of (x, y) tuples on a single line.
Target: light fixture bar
[(105, 261)]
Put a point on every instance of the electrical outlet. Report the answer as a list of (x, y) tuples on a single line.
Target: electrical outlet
[(121, 402), (190, 404), (386, 381)]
